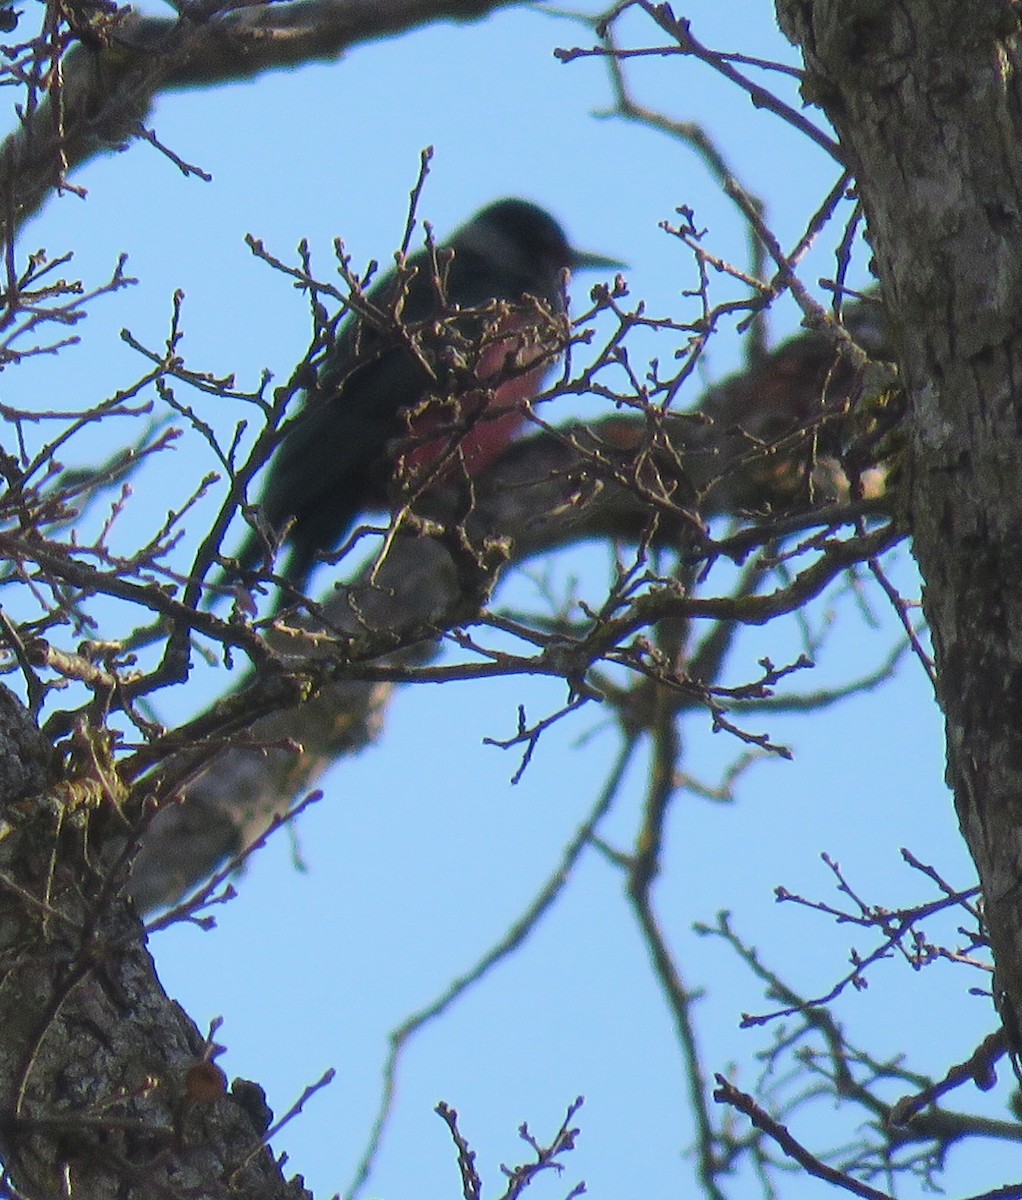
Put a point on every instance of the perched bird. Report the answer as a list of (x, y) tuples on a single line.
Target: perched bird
[(372, 388)]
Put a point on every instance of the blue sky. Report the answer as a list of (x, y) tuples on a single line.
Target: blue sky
[(421, 851)]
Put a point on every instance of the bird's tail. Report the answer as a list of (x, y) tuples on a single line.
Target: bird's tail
[(252, 551), (303, 556)]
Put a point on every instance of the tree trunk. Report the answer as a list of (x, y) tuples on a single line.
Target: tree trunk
[(106, 1087), (926, 98)]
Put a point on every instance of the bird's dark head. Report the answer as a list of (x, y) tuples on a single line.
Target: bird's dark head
[(530, 234)]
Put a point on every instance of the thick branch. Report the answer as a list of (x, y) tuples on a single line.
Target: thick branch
[(547, 491), (109, 84)]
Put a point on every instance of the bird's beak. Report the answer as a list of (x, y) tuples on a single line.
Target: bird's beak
[(583, 260)]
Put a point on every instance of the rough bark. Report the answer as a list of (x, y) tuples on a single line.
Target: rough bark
[(927, 100), (107, 1089)]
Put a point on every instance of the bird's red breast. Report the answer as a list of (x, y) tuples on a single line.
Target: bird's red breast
[(480, 424)]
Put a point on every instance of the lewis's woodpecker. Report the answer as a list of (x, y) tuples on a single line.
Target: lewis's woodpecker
[(334, 461)]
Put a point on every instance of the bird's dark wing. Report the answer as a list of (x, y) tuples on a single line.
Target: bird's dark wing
[(324, 470), (326, 467)]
